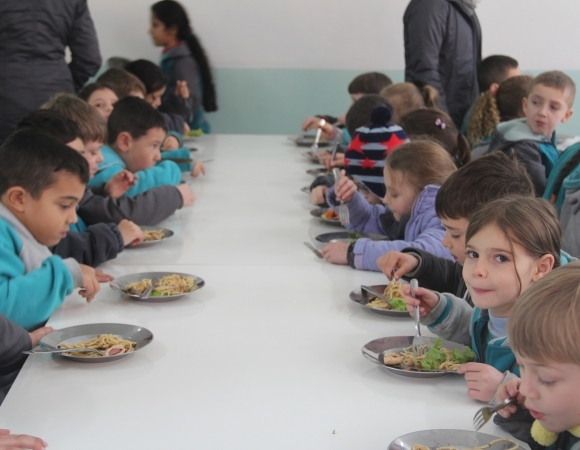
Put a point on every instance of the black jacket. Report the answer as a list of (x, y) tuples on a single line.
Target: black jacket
[(443, 49), (438, 274), (33, 37)]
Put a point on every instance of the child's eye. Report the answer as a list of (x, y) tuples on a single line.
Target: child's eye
[(501, 258), (471, 254), (65, 207), (545, 383), (455, 236)]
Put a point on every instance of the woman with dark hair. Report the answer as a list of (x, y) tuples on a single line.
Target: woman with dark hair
[(184, 61)]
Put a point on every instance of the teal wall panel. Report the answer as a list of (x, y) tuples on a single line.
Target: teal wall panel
[(276, 101)]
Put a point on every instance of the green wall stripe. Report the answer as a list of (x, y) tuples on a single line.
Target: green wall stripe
[(276, 101)]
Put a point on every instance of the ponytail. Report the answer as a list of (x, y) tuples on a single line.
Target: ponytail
[(463, 153), (197, 52), (172, 14), (430, 96), (484, 117)]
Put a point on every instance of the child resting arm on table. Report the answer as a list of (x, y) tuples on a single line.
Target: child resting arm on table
[(413, 174), (511, 243)]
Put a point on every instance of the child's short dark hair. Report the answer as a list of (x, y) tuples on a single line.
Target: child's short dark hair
[(87, 118), (480, 182), (135, 116), (557, 80), (122, 82), (88, 90), (494, 69), (53, 123), (369, 83), (149, 73), (359, 113), (31, 160)]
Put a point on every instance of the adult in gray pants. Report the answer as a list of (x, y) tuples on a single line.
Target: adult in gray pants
[(443, 49), (33, 37)]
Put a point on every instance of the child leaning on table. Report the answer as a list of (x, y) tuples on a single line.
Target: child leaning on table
[(544, 335), (41, 182), (107, 203), (548, 103), (90, 243), (136, 131), (489, 178), (413, 174), (511, 243)]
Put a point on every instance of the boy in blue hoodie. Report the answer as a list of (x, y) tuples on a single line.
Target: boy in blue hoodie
[(136, 131), (41, 182), (549, 102)]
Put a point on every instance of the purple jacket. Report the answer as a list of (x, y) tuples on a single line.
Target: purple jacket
[(424, 229)]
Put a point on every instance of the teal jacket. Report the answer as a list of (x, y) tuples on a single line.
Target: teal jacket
[(538, 153), (33, 282), (455, 320), (181, 157), (568, 183), (165, 172)]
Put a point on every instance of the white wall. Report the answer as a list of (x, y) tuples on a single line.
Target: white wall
[(339, 34)]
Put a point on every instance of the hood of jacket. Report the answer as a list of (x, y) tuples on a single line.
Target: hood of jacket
[(516, 130), (423, 212)]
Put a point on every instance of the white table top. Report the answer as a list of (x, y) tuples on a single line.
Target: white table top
[(267, 355)]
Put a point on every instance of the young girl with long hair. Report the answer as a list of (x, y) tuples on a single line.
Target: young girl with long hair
[(413, 174), (510, 244), (190, 80), (406, 97), (431, 123)]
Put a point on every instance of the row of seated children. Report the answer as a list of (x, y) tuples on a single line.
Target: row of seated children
[(145, 80)]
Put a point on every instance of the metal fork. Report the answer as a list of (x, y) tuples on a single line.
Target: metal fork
[(318, 133), (419, 342), (484, 414), (65, 350), (343, 213)]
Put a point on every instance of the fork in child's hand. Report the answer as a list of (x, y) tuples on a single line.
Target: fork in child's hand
[(484, 414)]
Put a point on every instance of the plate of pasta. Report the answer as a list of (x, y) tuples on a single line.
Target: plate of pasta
[(153, 235), (395, 354), (326, 215), (348, 237), (395, 308), (452, 440), (113, 340), (166, 286)]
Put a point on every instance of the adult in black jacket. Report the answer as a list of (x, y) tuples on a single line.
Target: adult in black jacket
[(443, 49), (33, 37)]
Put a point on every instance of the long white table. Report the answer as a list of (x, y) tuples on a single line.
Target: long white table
[(266, 356)]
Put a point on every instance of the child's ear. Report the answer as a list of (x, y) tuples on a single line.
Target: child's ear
[(124, 141), (567, 116), (16, 197), (493, 88), (525, 105), (544, 266)]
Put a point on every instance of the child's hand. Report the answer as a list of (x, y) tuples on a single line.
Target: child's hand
[(318, 195), (335, 252), (181, 89), (345, 188), (198, 169), (102, 277), (186, 194), (170, 143), (312, 123), (338, 161), (396, 264), (186, 128), (90, 283), (37, 335), (510, 389), (120, 183), (131, 232), (482, 380), (426, 300), (20, 441)]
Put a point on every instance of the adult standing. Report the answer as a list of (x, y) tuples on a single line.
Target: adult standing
[(443, 49), (190, 80), (33, 37)]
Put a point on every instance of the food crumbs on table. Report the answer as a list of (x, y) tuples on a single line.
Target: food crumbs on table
[(333, 431)]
